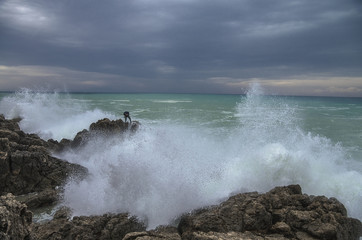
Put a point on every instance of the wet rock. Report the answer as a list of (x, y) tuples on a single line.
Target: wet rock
[(107, 126), (27, 172), (26, 164), (160, 233), (15, 219), (44, 198), (11, 125), (103, 127), (231, 236), (109, 226), (284, 211)]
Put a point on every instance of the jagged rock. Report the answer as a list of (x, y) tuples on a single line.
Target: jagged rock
[(39, 199), (231, 236), (108, 226), (284, 211), (169, 233), (25, 163), (15, 219), (108, 126), (11, 125), (103, 127), (27, 172)]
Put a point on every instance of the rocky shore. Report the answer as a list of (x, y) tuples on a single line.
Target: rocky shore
[(28, 168)]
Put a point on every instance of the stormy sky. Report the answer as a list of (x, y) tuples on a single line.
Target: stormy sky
[(290, 47)]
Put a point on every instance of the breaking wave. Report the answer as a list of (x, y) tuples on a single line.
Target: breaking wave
[(164, 170)]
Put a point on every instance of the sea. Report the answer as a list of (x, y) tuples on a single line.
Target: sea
[(196, 150)]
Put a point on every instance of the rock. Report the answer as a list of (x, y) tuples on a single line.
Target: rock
[(231, 236), (26, 165), (281, 227), (103, 127), (284, 211), (35, 171), (160, 233), (228, 216), (107, 126), (15, 219), (109, 226), (39, 199), (11, 125)]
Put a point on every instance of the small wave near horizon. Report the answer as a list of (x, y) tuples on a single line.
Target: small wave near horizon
[(167, 169)]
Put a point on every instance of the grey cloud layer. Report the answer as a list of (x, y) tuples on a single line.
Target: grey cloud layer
[(181, 44)]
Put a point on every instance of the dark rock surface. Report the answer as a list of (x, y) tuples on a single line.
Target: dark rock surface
[(108, 226), (164, 232), (25, 163), (284, 212), (103, 127), (44, 198), (15, 219)]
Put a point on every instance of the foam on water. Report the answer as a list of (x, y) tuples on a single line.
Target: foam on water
[(171, 101), (164, 170)]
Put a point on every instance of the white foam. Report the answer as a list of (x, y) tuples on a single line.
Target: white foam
[(172, 101), (50, 115), (164, 170), (156, 174)]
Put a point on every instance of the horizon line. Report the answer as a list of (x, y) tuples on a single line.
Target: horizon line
[(241, 94)]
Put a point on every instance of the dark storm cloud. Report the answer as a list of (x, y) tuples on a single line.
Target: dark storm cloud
[(183, 45)]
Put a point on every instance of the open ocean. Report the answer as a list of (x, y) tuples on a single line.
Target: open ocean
[(196, 150)]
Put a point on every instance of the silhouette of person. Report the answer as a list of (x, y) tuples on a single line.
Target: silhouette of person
[(126, 115)]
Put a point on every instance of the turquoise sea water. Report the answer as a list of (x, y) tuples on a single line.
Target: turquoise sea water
[(194, 150)]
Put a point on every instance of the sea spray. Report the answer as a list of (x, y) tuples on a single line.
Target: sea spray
[(156, 174), (165, 170), (275, 151), (170, 167), (50, 115)]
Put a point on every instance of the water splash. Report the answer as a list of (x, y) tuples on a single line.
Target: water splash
[(164, 170), (50, 115)]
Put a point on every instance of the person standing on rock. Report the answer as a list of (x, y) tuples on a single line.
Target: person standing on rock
[(126, 115)]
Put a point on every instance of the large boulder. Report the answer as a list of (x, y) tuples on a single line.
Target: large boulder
[(15, 219), (283, 212)]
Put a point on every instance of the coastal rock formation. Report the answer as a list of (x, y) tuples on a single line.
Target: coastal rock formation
[(15, 219), (282, 213), (40, 199), (108, 226), (25, 163), (160, 233), (103, 127)]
